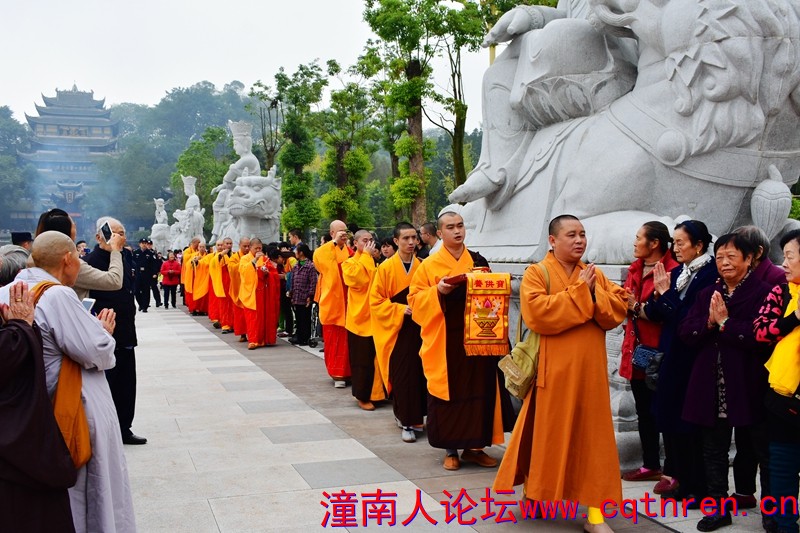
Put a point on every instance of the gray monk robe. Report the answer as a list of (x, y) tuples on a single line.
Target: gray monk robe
[(101, 498)]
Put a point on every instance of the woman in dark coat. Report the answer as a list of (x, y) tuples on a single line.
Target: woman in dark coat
[(674, 295), (728, 379)]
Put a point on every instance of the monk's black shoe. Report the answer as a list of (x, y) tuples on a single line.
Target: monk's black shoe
[(133, 439)]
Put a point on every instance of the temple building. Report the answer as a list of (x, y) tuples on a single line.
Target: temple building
[(71, 134)]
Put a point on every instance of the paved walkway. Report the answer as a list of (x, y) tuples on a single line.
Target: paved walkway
[(250, 440)]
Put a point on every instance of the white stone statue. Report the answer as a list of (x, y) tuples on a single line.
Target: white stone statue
[(255, 206), (160, 231), (247, 204), (189, 221), (697, 117)]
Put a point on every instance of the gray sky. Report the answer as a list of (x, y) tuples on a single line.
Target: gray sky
[(136, 51)]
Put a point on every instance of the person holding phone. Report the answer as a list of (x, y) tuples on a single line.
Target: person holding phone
[(122, 378), (171, 272)]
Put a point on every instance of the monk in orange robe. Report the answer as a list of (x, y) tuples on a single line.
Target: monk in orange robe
[(237, 308), (397, 337), (568, 451), (357, 273), (328, 260), (187, 272), (225, 302), (214, 279), (270, 307), (468, 406), (200, 281), (251, 292)]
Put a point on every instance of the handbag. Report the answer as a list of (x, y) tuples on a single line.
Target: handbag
[(67, 403), (520, 365), (784, 408), (646, 358)]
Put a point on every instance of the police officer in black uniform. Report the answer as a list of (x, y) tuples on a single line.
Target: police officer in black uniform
[(142, 259), (155, 270)]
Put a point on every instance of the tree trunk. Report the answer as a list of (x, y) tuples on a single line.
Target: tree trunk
[(416, 162), (341, 175), (459, 170), (395, 161)]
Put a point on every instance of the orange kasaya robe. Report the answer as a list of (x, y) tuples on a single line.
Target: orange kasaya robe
[(465, 388), (200, 284), (218, 306), (187, 275), (328, 259), (357, 274), (237, 308), (270, 304), (251, 294), (567, 451), (387, 316)]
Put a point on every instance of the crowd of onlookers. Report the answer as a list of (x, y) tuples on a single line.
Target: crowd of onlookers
[(711, 349)]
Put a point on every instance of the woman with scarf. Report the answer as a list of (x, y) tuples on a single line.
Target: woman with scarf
[(728, 380), (650, 248), (778, 324), (675, 293)]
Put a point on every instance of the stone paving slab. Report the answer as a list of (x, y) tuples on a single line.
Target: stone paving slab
[(244, 440)]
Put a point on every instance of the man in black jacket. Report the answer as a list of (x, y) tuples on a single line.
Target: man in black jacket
[(121, 378)]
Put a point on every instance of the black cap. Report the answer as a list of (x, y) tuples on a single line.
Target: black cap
[(142, 241), (19, 237), (148, 241)]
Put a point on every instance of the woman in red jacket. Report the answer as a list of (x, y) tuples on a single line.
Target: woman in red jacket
[(650, 248), (171, 272)]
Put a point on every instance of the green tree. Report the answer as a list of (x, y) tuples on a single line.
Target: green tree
[(266, 105), (410, 30), (207, 159), (346, 129), (16, 180), (461, 30), (299, 93), (128, 183)]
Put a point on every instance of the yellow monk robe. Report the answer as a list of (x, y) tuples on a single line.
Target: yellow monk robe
[(387, 317), (567, 451), (215, 271), (200, 283), (470, 408), (332, 302), (397, 340), (186, 266), (358, 272), (328, 259), (239, 321), (248, 280)]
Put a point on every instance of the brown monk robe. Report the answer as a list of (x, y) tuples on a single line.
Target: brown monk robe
[(397, 337), (358, 273), (35, 466), (468, 407), (567, 451)]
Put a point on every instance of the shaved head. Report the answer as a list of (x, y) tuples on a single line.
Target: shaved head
[(360, 233), (336, 226), (49, 249)]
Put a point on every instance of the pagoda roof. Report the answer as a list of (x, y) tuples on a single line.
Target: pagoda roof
[(63, 157), (73, 98), (71, 121), (77, 142), (72, 111)]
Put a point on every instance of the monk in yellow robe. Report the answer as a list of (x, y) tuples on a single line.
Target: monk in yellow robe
[(468, 406), (328, 260), (251, 292), (237, 308), (200, 281), (567, 451), (357, 273), (397, 337), (214, 279), (187, 272)]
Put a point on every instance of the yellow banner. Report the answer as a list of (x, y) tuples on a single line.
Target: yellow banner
[(486, 313)]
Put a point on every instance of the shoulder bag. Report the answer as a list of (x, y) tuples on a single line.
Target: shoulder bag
[(519, 366)]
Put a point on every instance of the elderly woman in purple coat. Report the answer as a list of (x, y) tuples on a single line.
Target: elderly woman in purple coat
[(728, 380)]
